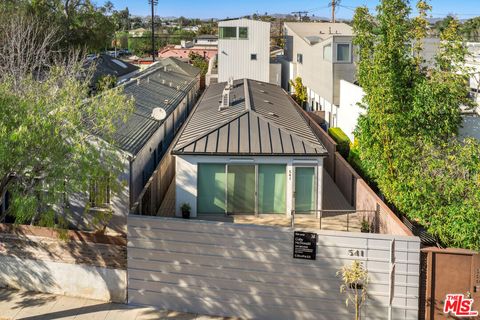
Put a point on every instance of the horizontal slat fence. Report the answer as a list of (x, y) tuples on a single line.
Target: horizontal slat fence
[(248, 271)]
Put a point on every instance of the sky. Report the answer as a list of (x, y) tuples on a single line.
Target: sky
[(464, 9)]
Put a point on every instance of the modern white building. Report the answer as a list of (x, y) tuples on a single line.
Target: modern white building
[(349, 110), (250, 153), (244, 50), (322, 55)]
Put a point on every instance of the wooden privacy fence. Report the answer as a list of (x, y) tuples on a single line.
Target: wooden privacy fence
[(153, 193), (248, 271), (355, 189), (447, 271)]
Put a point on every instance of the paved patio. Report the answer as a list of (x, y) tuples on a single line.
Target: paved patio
[(39, 306), (332, 200)]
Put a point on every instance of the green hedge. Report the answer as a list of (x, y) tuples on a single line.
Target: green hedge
[(343, 142)]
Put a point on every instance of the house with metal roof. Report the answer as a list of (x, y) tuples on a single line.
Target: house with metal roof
[(163, 95), (246, 149), (105, 65)]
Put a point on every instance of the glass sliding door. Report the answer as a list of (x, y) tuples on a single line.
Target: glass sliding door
[(241, 189), (272, 189), (211, 188), (305, 189)]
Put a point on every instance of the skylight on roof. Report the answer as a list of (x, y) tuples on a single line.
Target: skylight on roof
[(120, 63)]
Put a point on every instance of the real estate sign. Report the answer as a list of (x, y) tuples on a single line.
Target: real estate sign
[(304, 245)]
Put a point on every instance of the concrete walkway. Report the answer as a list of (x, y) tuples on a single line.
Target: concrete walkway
[(38, 306)]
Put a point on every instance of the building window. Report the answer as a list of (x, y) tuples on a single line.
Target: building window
[(99, 193), (234, 188), (343, 52), (243, 33), (299, 58), (227, 33), (253, 56), (327, 52)]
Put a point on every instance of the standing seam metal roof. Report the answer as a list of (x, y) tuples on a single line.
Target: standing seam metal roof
[(151, 90), (261, 120)]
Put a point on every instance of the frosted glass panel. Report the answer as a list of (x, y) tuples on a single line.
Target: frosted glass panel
[(211, 188), (304, 189), (241, 189), (272, 188)]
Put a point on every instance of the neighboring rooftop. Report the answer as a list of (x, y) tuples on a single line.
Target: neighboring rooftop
[(260, 120), (314, 32), (106, 65), (163, 85)]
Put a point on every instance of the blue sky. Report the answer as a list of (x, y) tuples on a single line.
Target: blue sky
[(226, 8)]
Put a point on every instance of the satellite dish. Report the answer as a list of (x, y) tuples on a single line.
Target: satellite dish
[(159, 114)]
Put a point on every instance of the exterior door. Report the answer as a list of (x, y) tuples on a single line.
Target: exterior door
[(241, 189), (305, 189)]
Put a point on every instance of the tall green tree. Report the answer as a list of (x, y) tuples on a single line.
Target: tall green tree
[(55, 139), (407, 138)]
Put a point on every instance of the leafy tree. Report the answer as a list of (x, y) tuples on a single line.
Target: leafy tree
[(412, 116), (78, 23), (199, 62), (441, 25), (47, 129), (141, 45), (207, 28), (121, 19), (179, 35), (300, 91), (471, 29), (47, 143)]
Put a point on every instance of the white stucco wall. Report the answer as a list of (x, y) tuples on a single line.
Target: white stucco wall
[(320, 75), (234, 58), (349, 111), (186, 177), (73, 280)]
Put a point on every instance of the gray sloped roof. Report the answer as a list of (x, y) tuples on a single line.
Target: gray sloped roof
[(155, 88), (106, 65), (262, 120), (176, 65)]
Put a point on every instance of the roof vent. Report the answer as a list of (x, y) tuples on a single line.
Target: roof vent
[(163, 81), (272, 114), (262, 91), (138, 81), (170, 84), (166, 101), (178, 88), (165, 69), (266, 101), (226, 98), (148, 79), (330, 30)]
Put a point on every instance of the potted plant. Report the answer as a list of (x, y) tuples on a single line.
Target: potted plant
[(185, 210), (365, 227)]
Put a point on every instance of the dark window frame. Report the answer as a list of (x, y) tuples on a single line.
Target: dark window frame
[(222, 31), (300, 58)]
